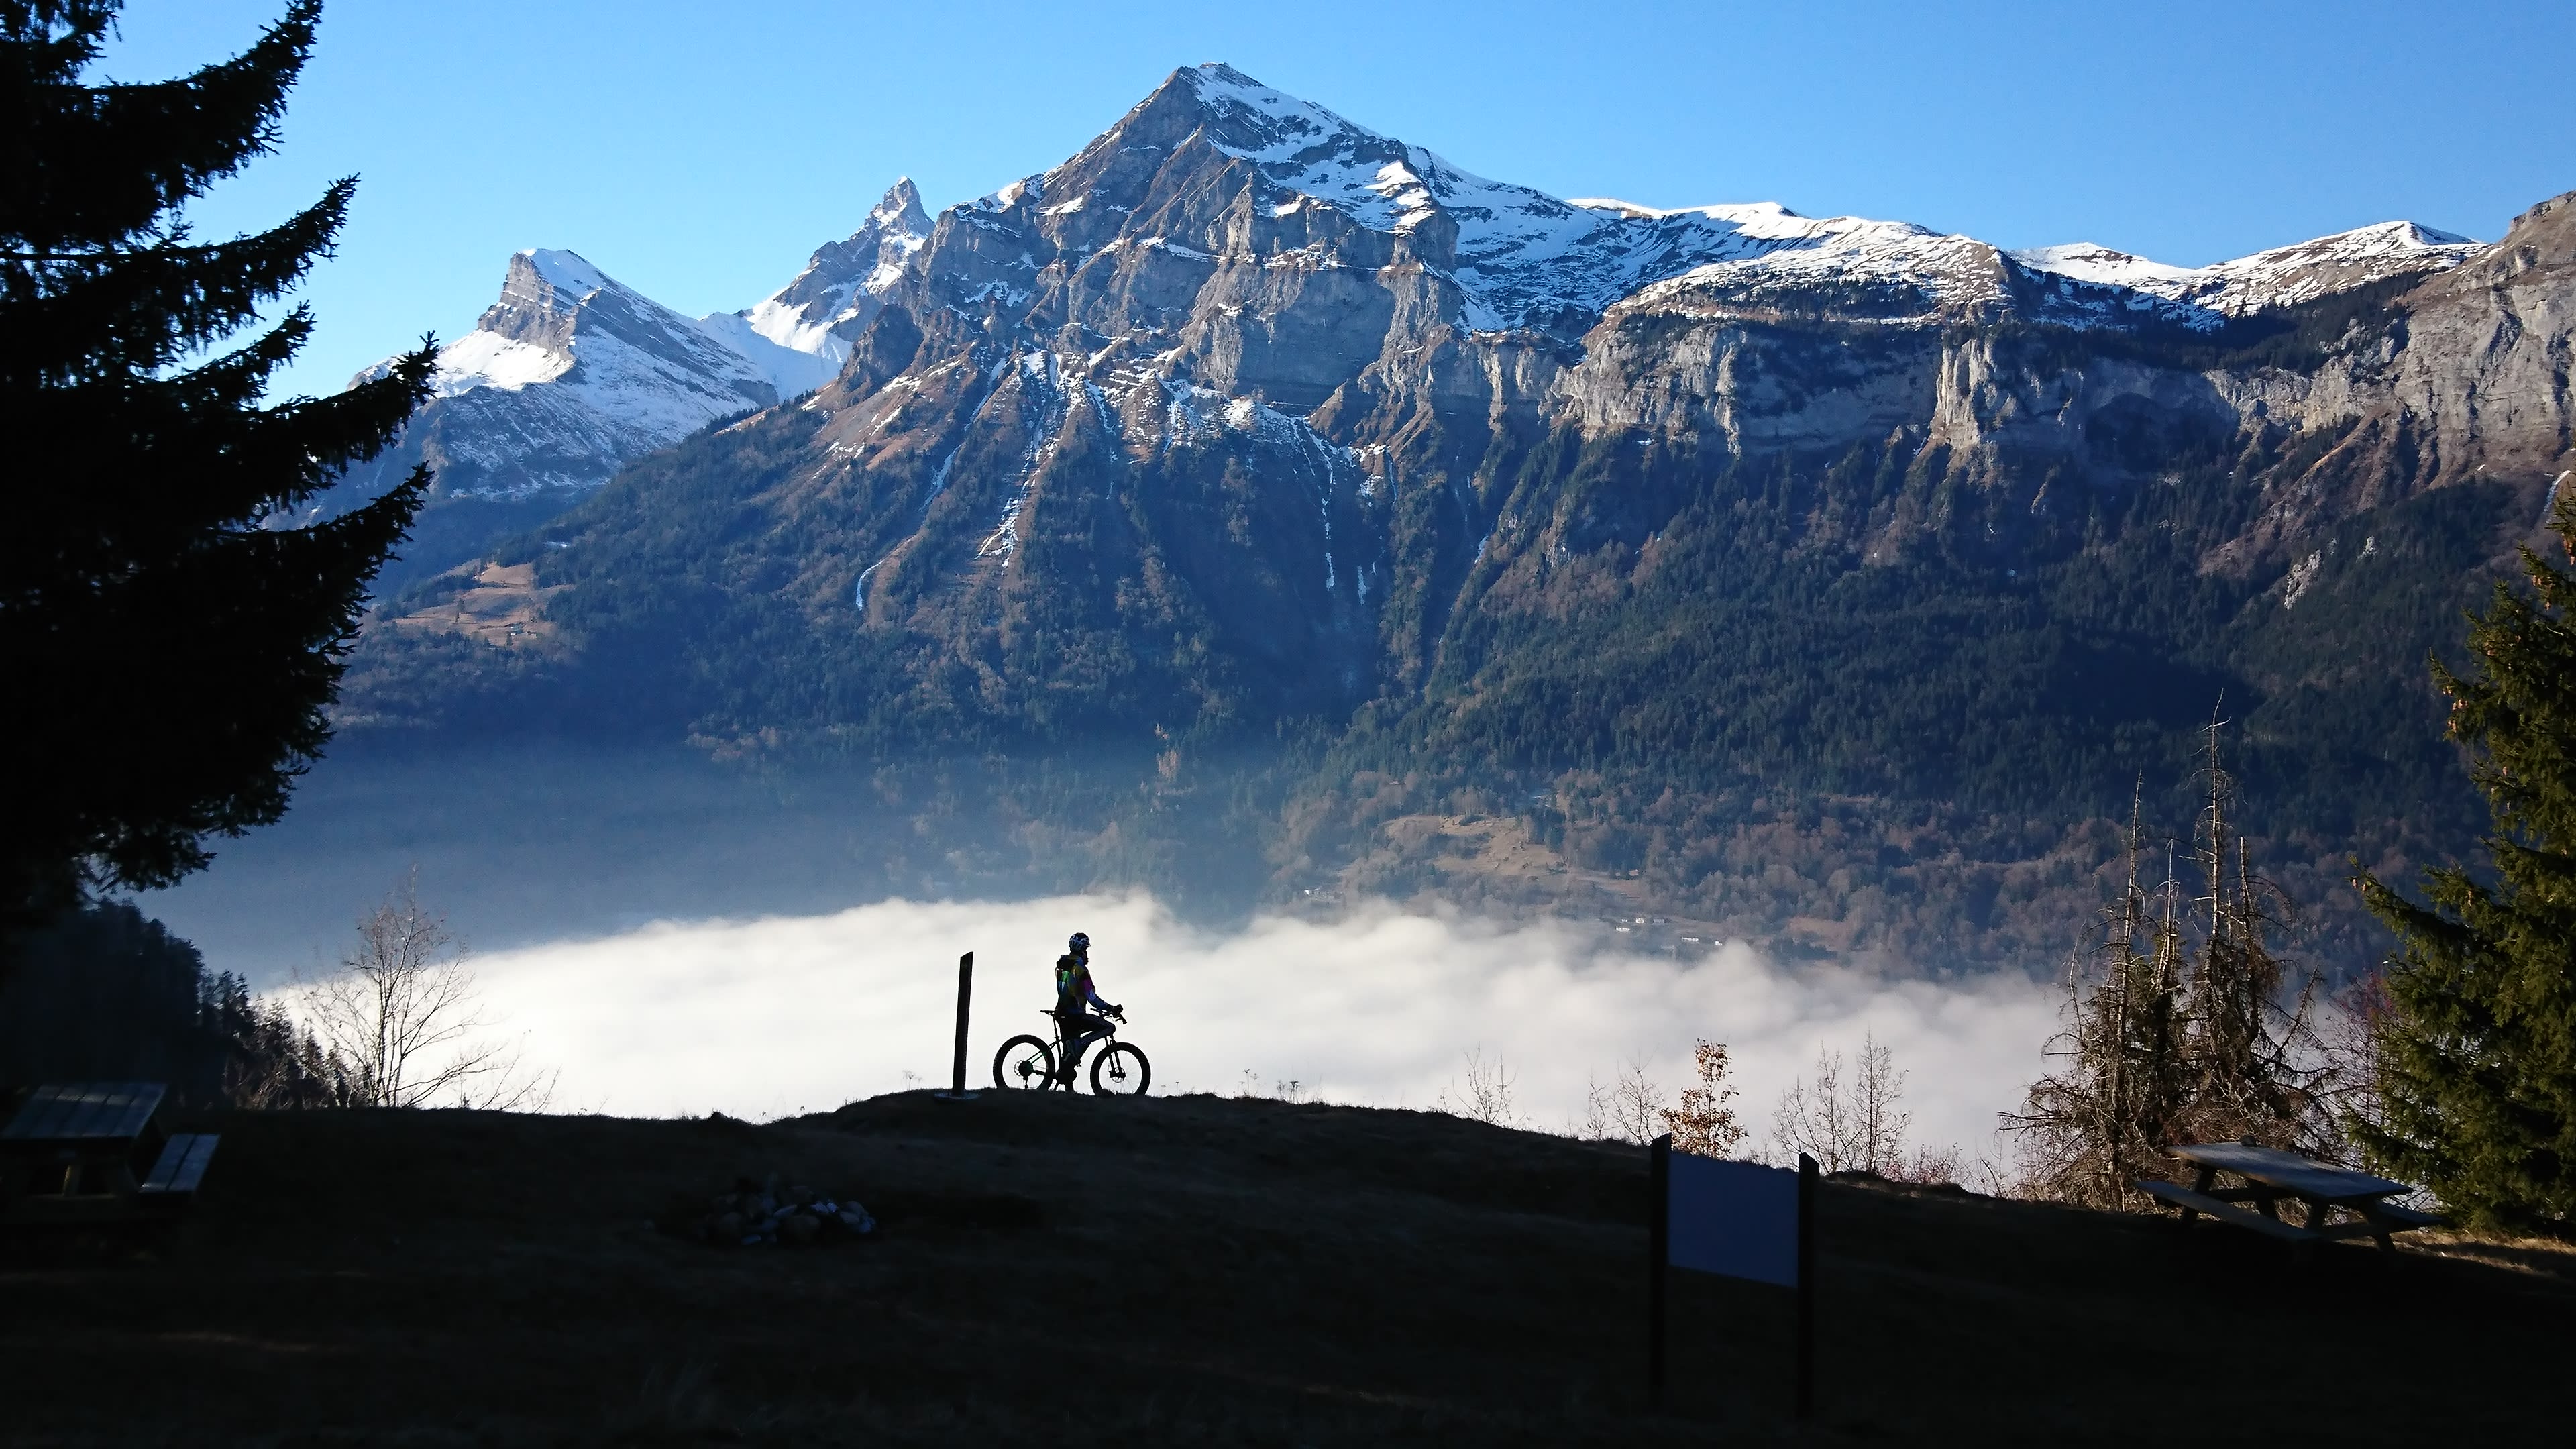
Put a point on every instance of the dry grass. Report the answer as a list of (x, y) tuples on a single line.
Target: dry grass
[(1194, 1271)]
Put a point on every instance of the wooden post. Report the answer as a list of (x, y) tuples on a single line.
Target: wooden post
[(1658, 1267), (1806, 1285), (965, 993)]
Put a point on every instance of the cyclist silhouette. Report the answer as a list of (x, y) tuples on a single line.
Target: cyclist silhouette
[(1074, 998)]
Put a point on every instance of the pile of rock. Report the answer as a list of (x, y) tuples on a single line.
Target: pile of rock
[(768, 1215)]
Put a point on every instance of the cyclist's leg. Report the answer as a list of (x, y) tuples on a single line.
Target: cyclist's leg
[(1070, 1035), (1079, 1033)]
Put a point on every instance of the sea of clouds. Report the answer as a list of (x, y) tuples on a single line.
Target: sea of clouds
[(761, 1018)]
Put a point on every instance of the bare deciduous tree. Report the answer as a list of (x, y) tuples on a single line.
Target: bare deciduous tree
[(1629, 1109), (1487, 1096), (1847, 1124), (400, 1015), (1929, 1164)]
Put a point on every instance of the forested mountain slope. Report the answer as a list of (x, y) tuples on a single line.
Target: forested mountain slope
[(1268, 488)]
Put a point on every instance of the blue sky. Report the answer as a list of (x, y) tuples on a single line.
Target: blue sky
[(700, 151)]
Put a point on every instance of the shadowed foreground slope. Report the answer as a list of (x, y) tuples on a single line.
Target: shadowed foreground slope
[(1196, 1270)]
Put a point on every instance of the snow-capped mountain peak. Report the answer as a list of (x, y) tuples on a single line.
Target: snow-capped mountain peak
[(569, 374), (1516, 248), (2104, 266), (566, 271), (2276, 277), (1524, 258), (841, 288), (526, 336), (558, 312), (560, 317), (899, 210)]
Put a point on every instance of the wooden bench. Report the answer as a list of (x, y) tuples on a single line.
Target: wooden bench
[(2177, 1195), (2399, 1212), (180, 1167), (97, 1152), (2272, 1176)]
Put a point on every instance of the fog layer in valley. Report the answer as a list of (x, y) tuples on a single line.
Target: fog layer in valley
[(679, 938), (763, 1017)]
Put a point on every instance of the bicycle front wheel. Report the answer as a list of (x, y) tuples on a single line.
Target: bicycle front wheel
[(1024, 1064), (1120, 1071)]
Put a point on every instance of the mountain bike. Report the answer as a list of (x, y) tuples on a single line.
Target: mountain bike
[(1028, 1063)]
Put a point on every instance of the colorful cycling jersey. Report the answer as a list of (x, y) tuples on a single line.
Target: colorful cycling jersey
[(1073, 984)]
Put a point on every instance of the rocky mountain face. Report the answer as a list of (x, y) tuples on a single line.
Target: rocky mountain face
[(1250, 434), (570, 375)]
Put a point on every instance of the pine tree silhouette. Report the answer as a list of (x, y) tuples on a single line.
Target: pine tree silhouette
[(2477, 1049), (169, 643)]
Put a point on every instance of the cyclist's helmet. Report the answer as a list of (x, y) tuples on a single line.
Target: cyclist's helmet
[(1079, 943)]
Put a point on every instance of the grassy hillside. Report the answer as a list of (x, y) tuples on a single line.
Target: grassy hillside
[(1195, 1271)]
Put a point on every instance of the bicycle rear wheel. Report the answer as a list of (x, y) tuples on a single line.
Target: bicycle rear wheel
[(1024, 1064), (1120, 1071)]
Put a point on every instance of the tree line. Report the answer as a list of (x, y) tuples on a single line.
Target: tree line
[(2454, 1067), (105, 994)]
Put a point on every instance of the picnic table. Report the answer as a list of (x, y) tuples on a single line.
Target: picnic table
[(2270, 1177), (97, 1152)]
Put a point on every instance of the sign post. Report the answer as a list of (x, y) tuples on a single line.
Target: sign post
[(1736, 1220), (965, 993), (1658, 1257), (1806, 1286)]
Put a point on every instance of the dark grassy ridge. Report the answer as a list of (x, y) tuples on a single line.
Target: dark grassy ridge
[(1195, 1271)]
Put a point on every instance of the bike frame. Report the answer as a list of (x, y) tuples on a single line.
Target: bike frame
[(1060, 1071), (1057, 1045), (1096, 1044)]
